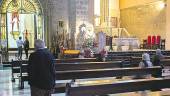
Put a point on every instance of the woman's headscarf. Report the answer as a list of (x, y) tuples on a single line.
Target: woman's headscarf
[(146, 60), (159, 53), (146, 57)]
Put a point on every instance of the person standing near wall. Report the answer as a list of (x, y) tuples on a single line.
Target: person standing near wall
[(26, 47), (41, 70), (19, 45)]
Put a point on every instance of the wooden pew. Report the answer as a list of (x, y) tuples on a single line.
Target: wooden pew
[(100, 73), (118, 58), (71, 60), (136, 53), (166, 57), (83, 67), (166, 67), (69, 66), (6, 64), (128, 53), (60, 88), (15, 67), (23, 74), (87, 65), (165, 62), (119, 87), (137, 60), (92, 65)]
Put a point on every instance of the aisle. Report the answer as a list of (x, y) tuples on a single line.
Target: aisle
[(7, 88)]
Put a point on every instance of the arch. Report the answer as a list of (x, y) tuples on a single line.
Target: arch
[(18, 9), (23, 7), (5, 4)]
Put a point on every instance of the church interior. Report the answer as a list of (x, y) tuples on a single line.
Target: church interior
[(98, 45)]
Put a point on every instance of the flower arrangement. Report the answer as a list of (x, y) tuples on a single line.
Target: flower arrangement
[(88, 53), (89, 42)]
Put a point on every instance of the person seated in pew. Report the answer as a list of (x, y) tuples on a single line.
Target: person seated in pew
[(143, 64), (156, 60), (146, 62)]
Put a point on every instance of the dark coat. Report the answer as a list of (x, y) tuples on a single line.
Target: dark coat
[(26, 44), (41, 70), (156, 60)]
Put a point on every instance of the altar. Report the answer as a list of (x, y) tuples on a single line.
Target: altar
[(71, 53), (127, 43)]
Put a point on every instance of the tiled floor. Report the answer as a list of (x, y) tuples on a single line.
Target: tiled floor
[(7, 88)]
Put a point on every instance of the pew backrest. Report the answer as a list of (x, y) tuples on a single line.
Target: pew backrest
[(71, 60), (87, 65), (118, 58), (101, 73), (165, 62), (15, 67), (120, 87)]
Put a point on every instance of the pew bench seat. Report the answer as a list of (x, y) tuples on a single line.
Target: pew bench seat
[(60, 87), (74, 75)]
